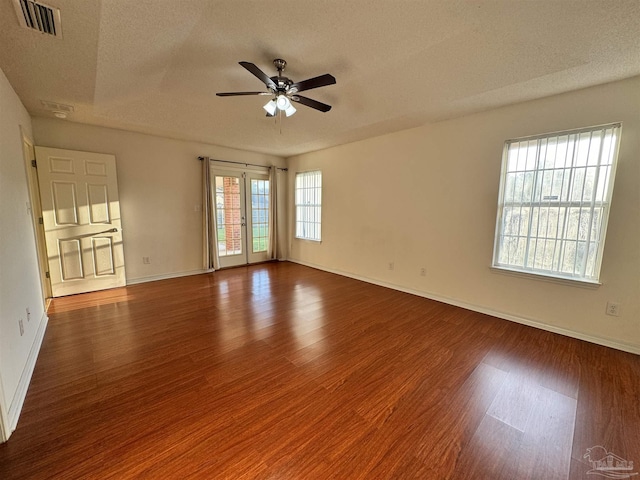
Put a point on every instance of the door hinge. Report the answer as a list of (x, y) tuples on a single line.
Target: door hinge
[(41, 221), (46, 274), (34, 164)]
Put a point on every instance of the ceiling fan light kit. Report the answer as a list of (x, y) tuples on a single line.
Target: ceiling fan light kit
[(282, 102), (290, 110), (284, 90), (271, 107)]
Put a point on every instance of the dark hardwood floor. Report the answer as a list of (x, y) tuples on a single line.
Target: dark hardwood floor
[(278, 371)]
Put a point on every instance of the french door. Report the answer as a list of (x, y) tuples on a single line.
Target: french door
[(241, 201)]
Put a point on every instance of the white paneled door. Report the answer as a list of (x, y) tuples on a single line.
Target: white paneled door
[(242, 216), (81, 216)]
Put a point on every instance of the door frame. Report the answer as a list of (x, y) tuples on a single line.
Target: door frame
[(28, 152), (5, 431)]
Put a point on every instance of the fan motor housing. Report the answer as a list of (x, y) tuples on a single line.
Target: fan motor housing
[(283, 83)]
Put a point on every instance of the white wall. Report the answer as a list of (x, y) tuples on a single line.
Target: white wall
[(427, 197), (19, 276), (159, 180)]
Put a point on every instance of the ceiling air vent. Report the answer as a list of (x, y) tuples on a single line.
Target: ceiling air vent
[(38, 16)]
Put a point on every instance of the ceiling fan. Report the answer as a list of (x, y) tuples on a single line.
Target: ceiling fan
[(284, 91)]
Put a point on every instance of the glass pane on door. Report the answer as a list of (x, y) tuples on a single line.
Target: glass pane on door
[(228, 215), (259, 215)]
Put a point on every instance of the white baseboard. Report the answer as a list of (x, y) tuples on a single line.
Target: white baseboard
[(154, 278), (607, 342), (25, 379)]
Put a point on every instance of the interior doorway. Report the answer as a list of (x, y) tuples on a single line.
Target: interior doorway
[(241, 210), (35, 208)]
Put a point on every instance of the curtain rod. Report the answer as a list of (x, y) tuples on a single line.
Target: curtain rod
[(245, 164)]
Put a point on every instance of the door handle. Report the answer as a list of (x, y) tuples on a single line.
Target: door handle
[(111, 230)]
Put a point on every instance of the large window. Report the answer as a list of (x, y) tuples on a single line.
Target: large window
[(308, 205), (555, 192)]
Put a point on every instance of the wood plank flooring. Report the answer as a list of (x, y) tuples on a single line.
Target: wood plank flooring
[(279, 371)]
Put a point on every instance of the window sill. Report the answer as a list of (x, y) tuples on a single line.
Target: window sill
[(574, 282), (308, 239)]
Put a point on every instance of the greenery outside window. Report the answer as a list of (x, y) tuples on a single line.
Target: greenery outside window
[(555, 195), (308, 198)]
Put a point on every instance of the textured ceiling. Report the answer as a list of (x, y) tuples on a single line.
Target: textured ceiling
[(154, 66)]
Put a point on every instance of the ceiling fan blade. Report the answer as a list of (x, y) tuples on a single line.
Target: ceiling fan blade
[(235, 94), (260, 74), (315, 82), (323, 107)]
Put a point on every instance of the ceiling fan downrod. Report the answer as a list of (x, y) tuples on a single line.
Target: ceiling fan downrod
[(280, 65)]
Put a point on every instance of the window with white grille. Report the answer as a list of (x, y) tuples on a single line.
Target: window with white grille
[(555, 193), (309, 205)]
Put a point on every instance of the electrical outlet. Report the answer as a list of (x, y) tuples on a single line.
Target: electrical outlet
[(146, 260), (21, 325), (423, 272), (613, 309), (197, 208), (28, 315), (390, 265)]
